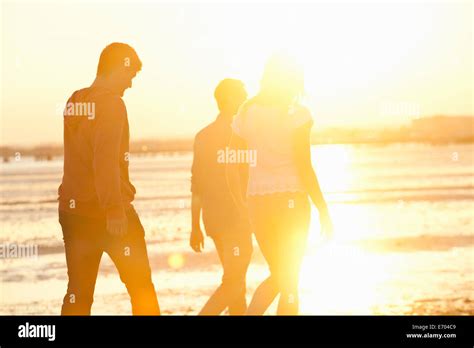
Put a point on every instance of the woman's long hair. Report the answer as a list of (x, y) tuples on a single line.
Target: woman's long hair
[(281, 86), (282, 82)]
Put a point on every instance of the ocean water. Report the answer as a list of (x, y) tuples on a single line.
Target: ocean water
[(404, 235)]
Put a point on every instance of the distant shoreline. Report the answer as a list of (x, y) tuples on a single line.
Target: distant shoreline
[(433, 130), (183, 146)]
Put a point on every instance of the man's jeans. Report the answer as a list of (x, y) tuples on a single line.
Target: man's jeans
[(85, 239), (235, 251)]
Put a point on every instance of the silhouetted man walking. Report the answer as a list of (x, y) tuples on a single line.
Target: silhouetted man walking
[(210, 193), (95, 197)]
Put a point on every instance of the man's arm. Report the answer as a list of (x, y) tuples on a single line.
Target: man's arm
[(106, 162), (196, 240), (196, 211), (233, 173)]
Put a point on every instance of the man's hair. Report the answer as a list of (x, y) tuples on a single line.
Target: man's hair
[(226, 88), (118, 55)]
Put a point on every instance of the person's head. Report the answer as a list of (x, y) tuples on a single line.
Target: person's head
[(230, 94), (118, 65), (282, 81)]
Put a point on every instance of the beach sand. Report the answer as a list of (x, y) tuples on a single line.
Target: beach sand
[(375, 282)]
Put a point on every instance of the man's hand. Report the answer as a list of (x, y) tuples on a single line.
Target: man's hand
[(117, 223), (327, 229), (196, 241)]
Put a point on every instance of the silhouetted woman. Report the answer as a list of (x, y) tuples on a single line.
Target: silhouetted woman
[(276, 127)]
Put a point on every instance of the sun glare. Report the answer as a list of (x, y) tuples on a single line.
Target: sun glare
[(326, 261)]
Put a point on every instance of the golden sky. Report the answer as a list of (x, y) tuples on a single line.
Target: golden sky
[(366, 63)]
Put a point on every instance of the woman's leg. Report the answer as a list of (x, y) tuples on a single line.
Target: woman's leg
[(281, 224), (263, 221), (293, 233), (263, 297)]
